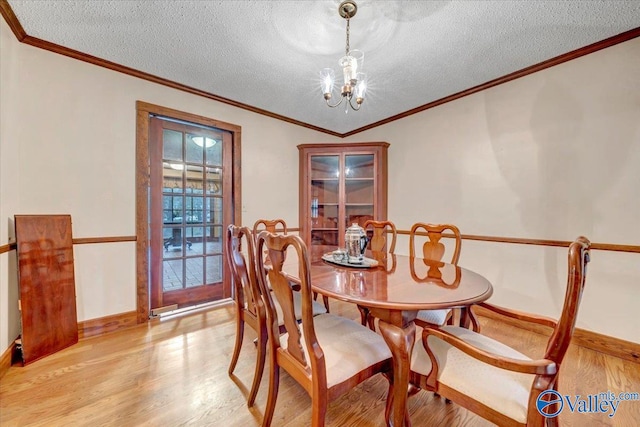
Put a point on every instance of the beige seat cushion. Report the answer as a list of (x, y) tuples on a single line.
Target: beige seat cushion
[(435, 317), (297, 307), (348, 346), (505, 391)]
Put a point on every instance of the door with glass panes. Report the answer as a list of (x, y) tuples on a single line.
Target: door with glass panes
[(190, 185)]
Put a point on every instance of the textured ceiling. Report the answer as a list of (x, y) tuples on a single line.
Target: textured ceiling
[(267, 54)]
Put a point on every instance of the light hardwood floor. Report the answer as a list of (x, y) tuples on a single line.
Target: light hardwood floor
[(174, 372)]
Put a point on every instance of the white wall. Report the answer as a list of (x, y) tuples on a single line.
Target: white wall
[(67, 145), (553, 155)]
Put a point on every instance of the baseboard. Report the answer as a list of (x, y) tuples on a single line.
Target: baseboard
[(103, 325), (6, 359), (612, 346), (86, 329)]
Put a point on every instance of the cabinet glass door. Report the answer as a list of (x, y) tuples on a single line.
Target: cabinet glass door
[(359, 185), (325, 198)]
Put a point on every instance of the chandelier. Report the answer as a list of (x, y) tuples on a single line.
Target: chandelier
[(355, 81)]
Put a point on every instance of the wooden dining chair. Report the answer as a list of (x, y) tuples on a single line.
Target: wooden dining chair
[(432, 249), (326, 354), (381, 231), (249, 303), (270, 225), (490, 378), (382, 244)]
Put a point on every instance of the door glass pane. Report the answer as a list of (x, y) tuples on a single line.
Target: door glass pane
[(214, 210), (325, 191), (214, 269), (172, 177), (214, 181), (194, 179), (213, 154), (359, 166), (194, 272), (172, 242), (194, 210), (178, 212), (359, 191), (213, 242), (324, 237), (167, 209), (172, 275), (327, 217), (194, 240), (358, 214), (323, 167), (195, 148), (172, 145)]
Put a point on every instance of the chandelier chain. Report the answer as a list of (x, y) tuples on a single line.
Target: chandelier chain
[(347, 49)]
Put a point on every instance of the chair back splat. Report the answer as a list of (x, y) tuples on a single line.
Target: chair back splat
[(381, 230), (433, 250), (270, 225)]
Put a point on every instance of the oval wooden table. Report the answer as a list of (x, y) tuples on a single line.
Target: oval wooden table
[(394, 292)]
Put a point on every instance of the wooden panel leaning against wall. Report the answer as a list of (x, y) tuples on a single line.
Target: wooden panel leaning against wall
[(606, 344)]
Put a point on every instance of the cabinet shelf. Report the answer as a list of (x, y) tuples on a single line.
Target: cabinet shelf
[(340, 184)]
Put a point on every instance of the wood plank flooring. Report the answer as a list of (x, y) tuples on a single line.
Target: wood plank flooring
[(173, 372)]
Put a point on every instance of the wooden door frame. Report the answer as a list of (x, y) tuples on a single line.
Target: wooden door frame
[(143, 111)]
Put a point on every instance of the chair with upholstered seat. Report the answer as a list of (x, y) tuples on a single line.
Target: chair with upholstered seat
[(492, 379), (382, 245), (327, 354), (249, 304), (432, 249)]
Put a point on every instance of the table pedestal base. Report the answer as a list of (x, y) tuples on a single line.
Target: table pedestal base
[(400, 340)]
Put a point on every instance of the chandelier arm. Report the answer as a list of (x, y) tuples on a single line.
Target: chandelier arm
[(354, 108), (336, 104)]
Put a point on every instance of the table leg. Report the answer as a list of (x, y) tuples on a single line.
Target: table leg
[(400, 342), (468, 318)]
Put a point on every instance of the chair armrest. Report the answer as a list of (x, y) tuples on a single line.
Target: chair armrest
[(294, 281), (519, 315), (534, 367)]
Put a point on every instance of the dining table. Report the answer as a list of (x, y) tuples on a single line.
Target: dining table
[(393, 288)]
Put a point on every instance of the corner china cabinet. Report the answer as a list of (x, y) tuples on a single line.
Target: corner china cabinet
[(340, 184)]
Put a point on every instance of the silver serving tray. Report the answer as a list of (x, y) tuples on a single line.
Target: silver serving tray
[(366, 263)]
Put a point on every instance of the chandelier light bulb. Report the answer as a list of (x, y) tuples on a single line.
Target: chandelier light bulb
[(361, 87), (328, 79), (349, 68)]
